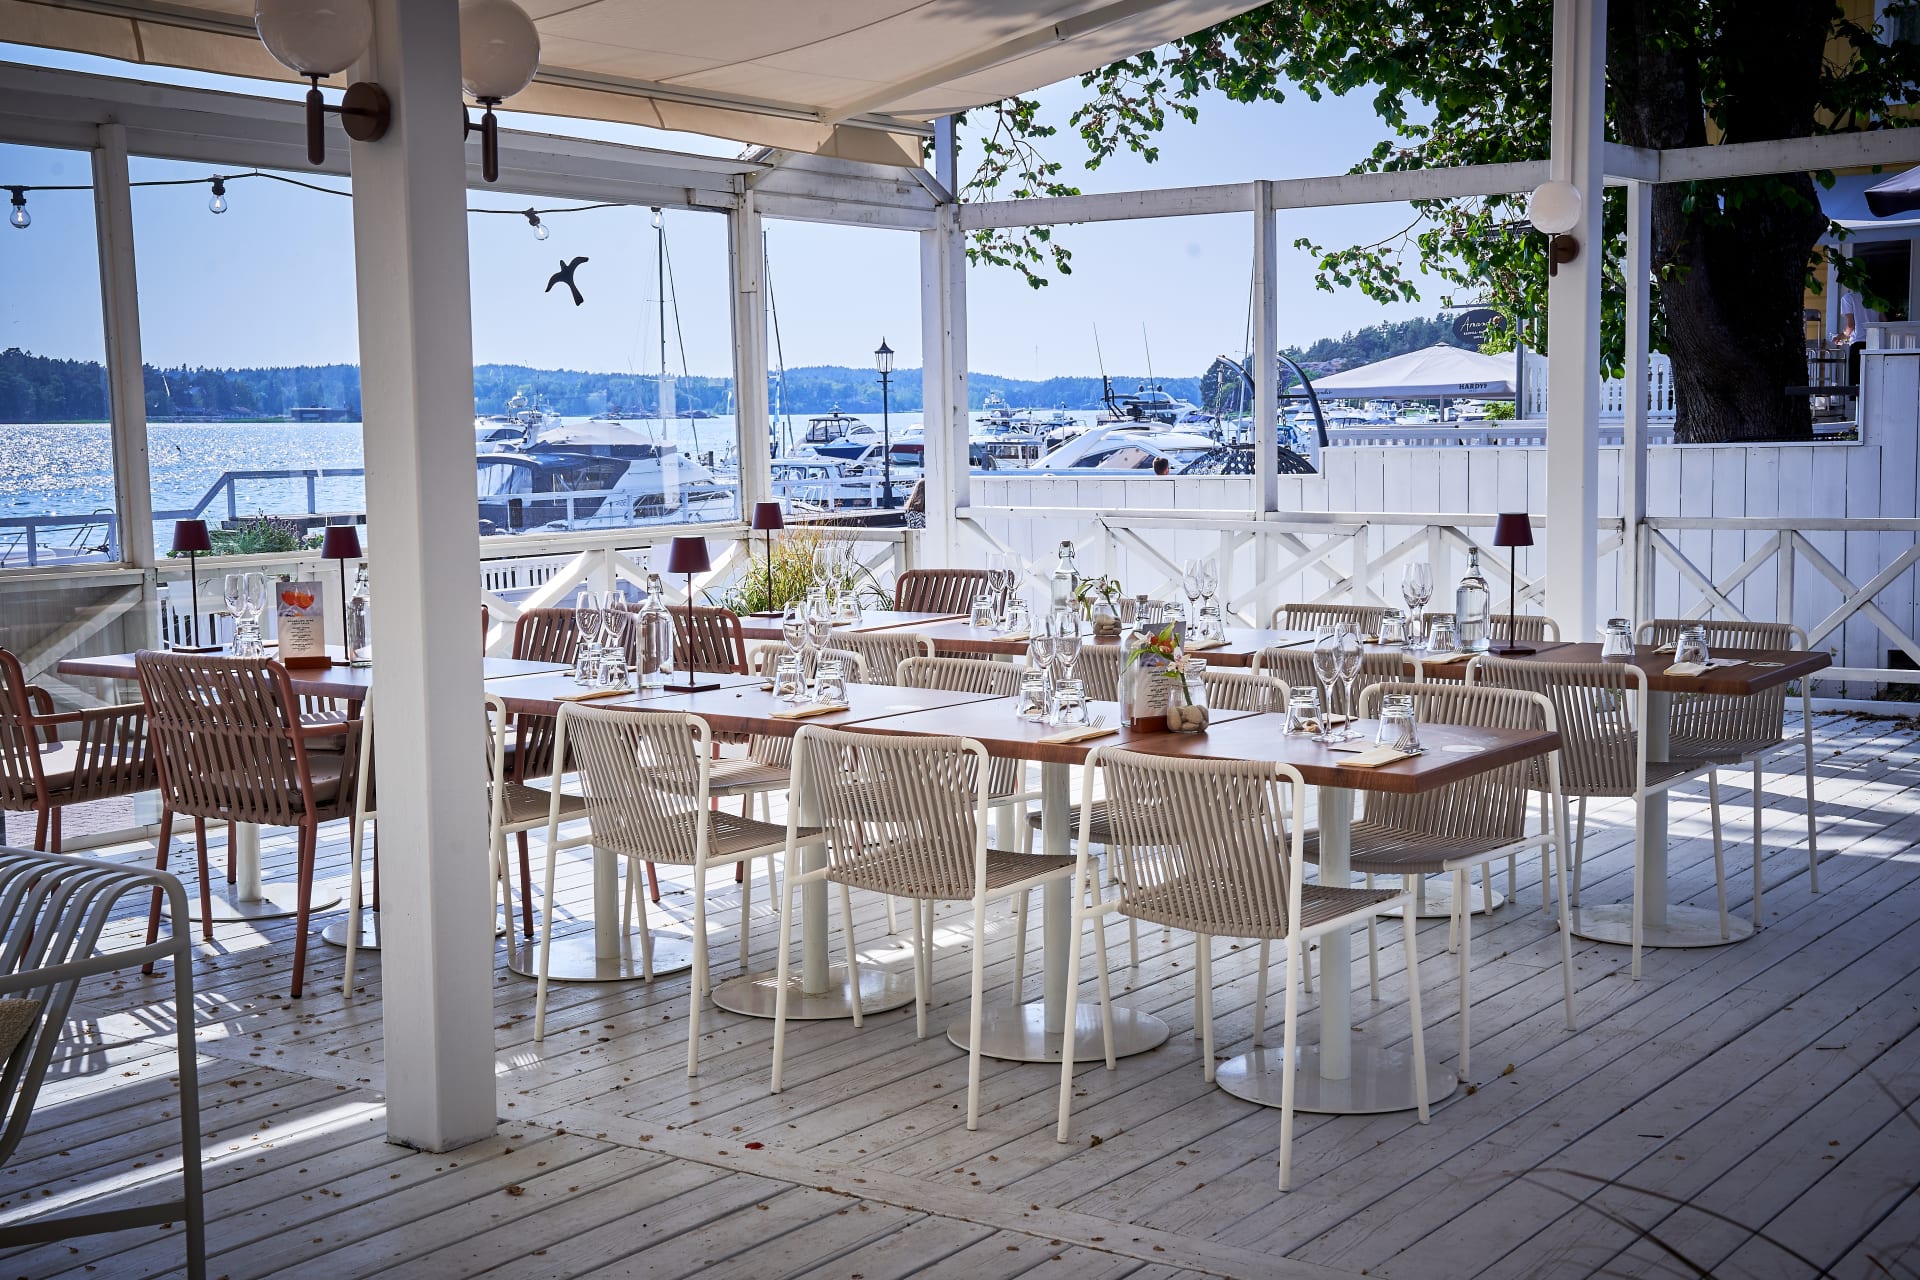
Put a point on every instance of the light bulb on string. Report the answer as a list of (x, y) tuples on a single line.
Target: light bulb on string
[(659, 218), (539, 227), (217, 202), (20, 217)]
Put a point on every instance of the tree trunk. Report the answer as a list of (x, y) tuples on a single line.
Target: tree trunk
[(1731, 258)]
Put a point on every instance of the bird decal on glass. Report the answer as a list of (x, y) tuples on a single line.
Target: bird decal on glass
[(565, 276)]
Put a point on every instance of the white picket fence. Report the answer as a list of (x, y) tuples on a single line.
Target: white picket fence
[(1613, 391)]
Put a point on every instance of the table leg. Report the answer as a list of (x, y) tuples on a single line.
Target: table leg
[(1662, 924), (248, 898), (612, 951), (1034, 1032), (821, 989), (1346, 1073)]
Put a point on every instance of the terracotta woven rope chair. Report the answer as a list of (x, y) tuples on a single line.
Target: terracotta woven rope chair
[(108, 755), (231, 748), (938, 590)]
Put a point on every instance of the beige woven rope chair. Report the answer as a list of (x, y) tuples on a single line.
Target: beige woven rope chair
[(765, 768), (1305, 617), (1157, 611), (107, 757), (881, 653), (1599, 708), (231, 748), (1234, 690), (1203, 845), (1467, 824), (1731, 730), (644, 780), (1097, 666), (1294, 667), (1529, 628), (905, 817)]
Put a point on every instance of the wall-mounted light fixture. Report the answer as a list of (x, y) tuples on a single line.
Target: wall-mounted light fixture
[(1554, 209), (499, 52), (319, 38)]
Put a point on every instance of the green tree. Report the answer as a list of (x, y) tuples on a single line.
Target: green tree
[(1731, 259)]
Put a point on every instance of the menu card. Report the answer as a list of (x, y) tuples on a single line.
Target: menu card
[(303, 637)]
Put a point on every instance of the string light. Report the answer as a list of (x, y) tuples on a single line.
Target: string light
[(217, 198), (658, 217)]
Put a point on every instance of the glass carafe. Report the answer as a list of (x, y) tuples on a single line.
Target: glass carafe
[(1472, 605)]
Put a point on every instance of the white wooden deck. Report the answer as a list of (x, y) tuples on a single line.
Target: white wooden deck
[(1740, 1107)]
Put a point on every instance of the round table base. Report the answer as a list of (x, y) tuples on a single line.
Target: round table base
[(1381, 1080), (573, 958), (754, 994), (1436, 901), (335, 934), (277, 901), (1017, 1033), (1684, 927)]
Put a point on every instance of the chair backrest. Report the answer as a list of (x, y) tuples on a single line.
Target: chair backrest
[(1305, 617), (938, 590), (968, 675), (643, 778), (547, 635), (1202, 844), (883, 652), (1490, 806), (1295, 666), (1528, 628), (1157, 611), (225, 732), (905, 814), (1597, 707), (767, 658), (1098, 668), (1728, 717), (21, 739), (711, 637), (1234, 690)]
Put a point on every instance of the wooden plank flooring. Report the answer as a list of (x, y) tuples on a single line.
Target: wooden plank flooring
[(1746, 1111)]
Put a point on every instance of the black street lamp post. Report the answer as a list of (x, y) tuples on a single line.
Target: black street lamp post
[(883, 360)]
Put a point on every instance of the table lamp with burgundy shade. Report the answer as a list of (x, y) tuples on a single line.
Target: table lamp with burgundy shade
[(688, 556), (768, 518), (341, 542), (1512, 530), (190, 539)]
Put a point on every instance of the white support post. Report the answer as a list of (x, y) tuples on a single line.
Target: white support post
[(1266, 346), (1638, 269), (416, 361), (1573, 321), (943, 345), (753, 430), (126, 380)]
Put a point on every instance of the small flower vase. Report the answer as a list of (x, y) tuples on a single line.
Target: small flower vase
[(1104, 618), (1187, 706)]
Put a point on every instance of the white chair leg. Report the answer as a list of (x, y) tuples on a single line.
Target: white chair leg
[(922, 963), (976, 1012), (1559, 854), (1289, 1050), (780, 979), (353, 898), (1413, 1011), (1639, 874), (1719, 852), (1073, 990), (698, 995), (1260, 995), (853, 961), (1306, 968), (1373, 952), (893, 921), (1806, 743), (1462, 912), (1513, 879), (746, 912), (1757, 879), (1020, 901), (1546, 887), (546, 946), (1203, 998), (1486, 889), (1579, 846)]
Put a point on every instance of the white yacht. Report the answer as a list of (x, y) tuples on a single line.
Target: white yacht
[(588, 475), (1126, 446)]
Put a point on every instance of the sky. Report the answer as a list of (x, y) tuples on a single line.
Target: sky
[(269, 281)]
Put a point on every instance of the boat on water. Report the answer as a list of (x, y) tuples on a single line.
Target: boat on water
[(1126, 446), (589, 475), (1147, 404), (1005, 437)]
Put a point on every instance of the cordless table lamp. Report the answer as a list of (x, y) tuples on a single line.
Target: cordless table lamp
[(768, 518), (341, 542), (1512, 530), (190, 539), (688, 556)]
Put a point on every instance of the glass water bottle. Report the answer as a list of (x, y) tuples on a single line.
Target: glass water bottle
[(1472, 604), (359, 623), (653, 637), (1066, 578)]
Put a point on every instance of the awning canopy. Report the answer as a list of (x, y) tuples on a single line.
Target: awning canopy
[(1438, 372), (1873, 201), (1898, 194), (855, 79)]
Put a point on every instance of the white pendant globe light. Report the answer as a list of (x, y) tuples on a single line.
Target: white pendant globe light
[(318, 38), (499, 52), (1554, 207)]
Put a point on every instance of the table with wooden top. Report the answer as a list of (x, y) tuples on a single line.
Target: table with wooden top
[(248, 898), (765, 627), (1663, 923)]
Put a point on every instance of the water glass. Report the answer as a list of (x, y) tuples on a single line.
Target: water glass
[(1069, 704), (1303, 711), (789, 679), (1441, 637), (1393, 627), (1397, 723), (613, 668), (830, 683), (1617, 640), (1033, 695), (1019, 619), (1691, 646), (982, 614)]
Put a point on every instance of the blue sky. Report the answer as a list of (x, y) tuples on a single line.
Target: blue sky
[(269, 281)]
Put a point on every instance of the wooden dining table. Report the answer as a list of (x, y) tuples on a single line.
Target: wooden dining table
[(250, 897)]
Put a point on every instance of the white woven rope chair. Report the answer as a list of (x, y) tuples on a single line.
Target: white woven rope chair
[(1203, 845), (1230, 689), (1528, 628), (906, 817), (1463, 825), (644, 778), (1305, 617), (882, 652), (1097, 666), (1731, 730), (1294, 665), (1599, 708)]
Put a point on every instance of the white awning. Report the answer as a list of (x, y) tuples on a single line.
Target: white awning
[(1438, 372), (855, 79)]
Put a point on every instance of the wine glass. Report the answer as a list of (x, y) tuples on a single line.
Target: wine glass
[(1416, 588), (235, 590), (793, 626), (819, 625), (586, 616), (1040, 649), (1351, 654), (1067, 637), (1326, 669), (1190, 585), (1209, 579)]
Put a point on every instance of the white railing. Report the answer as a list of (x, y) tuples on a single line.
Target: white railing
[(1613, 391)]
